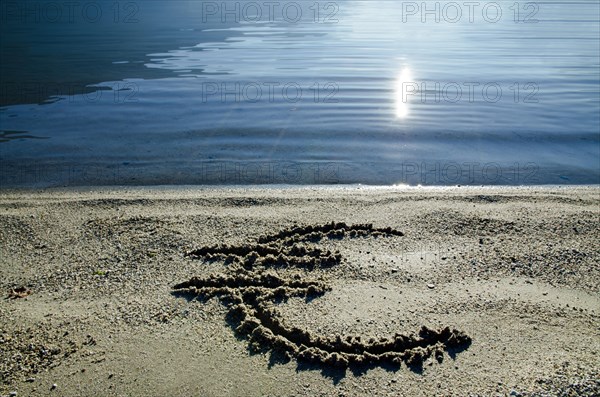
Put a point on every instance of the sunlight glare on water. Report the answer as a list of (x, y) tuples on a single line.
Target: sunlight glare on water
[(405, 87)]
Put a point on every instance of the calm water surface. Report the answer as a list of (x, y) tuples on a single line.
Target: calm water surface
[(374, 92)]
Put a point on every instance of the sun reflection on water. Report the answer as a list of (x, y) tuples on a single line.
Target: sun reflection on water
[(404, 87)]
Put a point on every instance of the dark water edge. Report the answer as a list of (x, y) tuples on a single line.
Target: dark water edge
[(253, 158), (260, 173)]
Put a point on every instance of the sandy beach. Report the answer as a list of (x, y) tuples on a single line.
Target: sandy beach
[(304, 291)]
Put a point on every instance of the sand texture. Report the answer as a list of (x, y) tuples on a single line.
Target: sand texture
[(345, 291)]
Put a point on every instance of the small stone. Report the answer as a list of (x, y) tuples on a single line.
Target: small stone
[(30, 380), (431, 286), (13, 394), (54, 386)]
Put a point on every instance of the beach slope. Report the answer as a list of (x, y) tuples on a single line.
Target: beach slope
[(310, 291)]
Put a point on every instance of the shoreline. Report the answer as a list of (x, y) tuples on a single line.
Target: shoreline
[(514, 268), (282, 188)]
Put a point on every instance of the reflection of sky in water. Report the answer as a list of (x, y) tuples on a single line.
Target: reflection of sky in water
[(373, 89), (365, 52)]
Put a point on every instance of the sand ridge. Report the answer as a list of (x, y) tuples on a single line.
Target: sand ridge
[(250, 289)]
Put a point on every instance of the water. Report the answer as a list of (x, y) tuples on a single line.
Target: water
[(373, 92)]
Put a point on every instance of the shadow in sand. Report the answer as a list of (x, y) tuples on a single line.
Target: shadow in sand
[(190, 296), (455, 350)]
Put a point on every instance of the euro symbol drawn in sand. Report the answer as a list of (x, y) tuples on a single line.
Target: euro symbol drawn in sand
[(251, 288)]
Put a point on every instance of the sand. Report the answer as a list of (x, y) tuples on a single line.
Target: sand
[(254, 292)]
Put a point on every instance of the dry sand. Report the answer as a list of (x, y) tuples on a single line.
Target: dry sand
[(89, 306)]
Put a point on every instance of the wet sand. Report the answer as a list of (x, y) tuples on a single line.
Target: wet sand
[(254, 292)]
